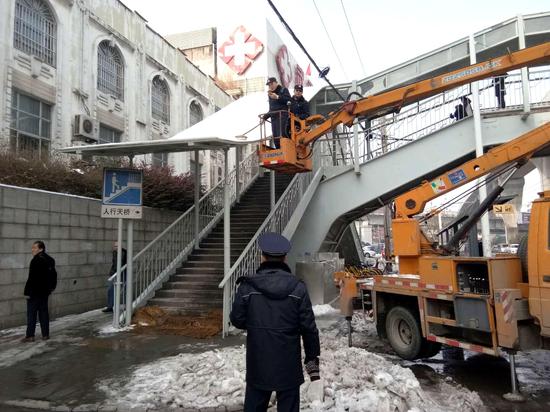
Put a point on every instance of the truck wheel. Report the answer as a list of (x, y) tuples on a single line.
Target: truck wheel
[(403, 331), (522, 253)]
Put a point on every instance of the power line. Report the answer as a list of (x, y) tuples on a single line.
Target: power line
[(353, 38), (322, 72), (330, 40)]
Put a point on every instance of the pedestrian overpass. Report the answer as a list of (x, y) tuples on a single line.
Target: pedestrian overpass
[(354, 176)]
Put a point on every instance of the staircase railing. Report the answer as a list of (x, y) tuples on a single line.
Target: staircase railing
[(249, 259), (153, 264), (430, 115)]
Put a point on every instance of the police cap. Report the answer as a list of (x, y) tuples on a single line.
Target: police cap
[(274, 244), (271, 80)]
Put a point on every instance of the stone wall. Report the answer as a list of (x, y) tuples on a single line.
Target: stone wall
[(77, 238)]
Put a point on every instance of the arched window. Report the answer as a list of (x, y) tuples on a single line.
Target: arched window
[(160, 100), (195, 113), (35, 30), (110, 70)]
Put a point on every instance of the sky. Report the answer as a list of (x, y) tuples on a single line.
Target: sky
[(387, 33)]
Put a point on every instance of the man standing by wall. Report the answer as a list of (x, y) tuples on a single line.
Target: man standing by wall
[(274, 308), (111, 290), (40, 284)]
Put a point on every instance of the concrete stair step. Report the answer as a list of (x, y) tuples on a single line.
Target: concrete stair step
[(198, 271), (209, 264), (197, 295), (186, 302), (202, 275), (191, 284), (190, 310)]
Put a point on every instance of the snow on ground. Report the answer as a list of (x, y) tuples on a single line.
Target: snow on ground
[(320, 310), (109, 329), (64, 322), (355, 380), (13, 351)]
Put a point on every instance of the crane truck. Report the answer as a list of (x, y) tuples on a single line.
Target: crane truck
[(482, 304), (488, 305), (295, 153)]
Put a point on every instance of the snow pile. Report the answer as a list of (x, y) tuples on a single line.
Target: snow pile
[(355, 380), (208, 379), (320, 310), (109, 329)]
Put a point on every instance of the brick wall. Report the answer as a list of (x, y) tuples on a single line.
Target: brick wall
[(77, 238)]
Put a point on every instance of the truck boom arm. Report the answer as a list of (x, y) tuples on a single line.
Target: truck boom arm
[(379, 103), (413, 202)]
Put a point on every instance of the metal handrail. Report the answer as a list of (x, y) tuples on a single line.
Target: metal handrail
[(249, 259), (432, 114), (157, 259)]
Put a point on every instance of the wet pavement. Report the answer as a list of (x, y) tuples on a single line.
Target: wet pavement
[(63, 372)]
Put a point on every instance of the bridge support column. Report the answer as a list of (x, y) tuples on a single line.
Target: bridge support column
[(197, 188), (485, 228), (226, 215), (524, 73)]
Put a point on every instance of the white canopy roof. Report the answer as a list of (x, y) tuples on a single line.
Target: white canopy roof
[(234, 125)]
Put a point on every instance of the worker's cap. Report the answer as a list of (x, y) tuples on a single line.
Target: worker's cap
[(273, 244), (271, 80), (299, 88)]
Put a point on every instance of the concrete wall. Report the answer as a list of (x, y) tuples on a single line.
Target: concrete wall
[(77, 238)]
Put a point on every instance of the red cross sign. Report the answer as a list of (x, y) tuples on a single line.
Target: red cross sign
[(240, 50)]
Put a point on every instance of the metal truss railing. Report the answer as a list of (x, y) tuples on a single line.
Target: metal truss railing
[(156, 261), (249, 260), (430, 115)]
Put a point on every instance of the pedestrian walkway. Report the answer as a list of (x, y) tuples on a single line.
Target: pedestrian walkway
[(63, 373)]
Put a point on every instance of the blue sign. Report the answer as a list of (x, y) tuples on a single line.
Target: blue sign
[(122, 187), (457, 176)]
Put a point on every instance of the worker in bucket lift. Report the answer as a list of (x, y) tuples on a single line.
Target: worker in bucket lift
[(278, 97), (273, 306), (299, 105)]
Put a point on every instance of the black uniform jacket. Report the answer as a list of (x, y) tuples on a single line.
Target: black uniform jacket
[(280, 103), (42, 276), (300, 107), (274, 307)]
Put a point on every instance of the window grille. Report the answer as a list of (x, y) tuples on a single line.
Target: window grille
[(195, 113), (110, 70), (35, 30), (108, 135), (160, 159), (30, 126), (160, 100)]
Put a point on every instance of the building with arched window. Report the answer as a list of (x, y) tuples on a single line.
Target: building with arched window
[(86, 72)]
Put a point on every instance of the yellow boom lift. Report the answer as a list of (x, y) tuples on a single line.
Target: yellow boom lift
[(294, 154)]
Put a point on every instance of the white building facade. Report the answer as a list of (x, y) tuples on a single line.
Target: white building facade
[(92, 71)]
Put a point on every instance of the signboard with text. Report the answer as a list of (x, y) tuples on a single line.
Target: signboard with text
[(504, 208), (122, 193)]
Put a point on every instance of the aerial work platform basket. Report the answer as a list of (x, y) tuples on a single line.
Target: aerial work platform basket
[(290, 157)]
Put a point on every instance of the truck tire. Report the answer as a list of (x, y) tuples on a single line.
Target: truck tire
[(522, 254), (404, 334)]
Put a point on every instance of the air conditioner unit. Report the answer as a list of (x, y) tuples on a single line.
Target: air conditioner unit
[(84, 126)]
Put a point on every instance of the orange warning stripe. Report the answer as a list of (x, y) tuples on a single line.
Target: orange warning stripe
[(412, 284), (467, 346)]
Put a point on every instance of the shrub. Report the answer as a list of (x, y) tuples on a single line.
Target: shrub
[(162, 188)]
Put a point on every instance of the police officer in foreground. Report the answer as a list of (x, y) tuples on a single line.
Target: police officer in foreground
[(274, 308)]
